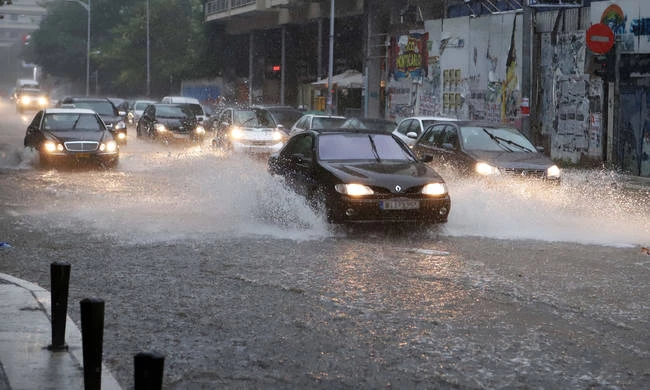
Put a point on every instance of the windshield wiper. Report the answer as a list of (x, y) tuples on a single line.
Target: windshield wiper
[(498, 140), (74, 125), (374, 148)]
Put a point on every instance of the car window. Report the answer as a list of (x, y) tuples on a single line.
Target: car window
[(37, 119), (450, 136), (414, 127), (102, 108), (196, 109), (333, 147), (432, 134), (72, 122), (300, 144), (173, 112), (404, 126), (326, 123), (286, 117)]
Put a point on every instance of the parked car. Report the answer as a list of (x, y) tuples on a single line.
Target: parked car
[(486, 149), (71, 134), (170, 122), (283, 115), (362, 176), (29, 98), (385, 125), (112, 117), (251, 130), (134, 114), (193, 103), (316, 122), (409, 129)]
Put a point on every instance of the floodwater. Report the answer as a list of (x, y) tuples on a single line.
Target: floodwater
[(207, 259)]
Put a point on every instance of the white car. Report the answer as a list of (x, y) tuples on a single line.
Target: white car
[(409, 129), (138, 107), (193, 103), (317, 121)]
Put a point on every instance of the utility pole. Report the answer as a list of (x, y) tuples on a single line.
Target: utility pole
[(330, 69)]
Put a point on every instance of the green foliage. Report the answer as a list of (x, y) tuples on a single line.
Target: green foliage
[(119, 43)]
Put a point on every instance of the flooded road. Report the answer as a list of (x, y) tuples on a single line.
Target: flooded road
[(208, 260)]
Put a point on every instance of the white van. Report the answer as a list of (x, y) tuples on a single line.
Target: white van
[(193, 103)]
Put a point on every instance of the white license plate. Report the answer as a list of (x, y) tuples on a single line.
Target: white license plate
[(181, 136), (400, 204)]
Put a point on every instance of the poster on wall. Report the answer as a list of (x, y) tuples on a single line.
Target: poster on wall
[(409, 55)]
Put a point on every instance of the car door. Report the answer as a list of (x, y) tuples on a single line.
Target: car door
[(297, 160), (34, 135)]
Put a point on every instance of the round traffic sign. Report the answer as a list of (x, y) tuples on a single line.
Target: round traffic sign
[(600, 38)]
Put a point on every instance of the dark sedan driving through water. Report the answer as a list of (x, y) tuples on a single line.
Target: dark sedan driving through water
[(362, 176), (485, 149), (72, 135)]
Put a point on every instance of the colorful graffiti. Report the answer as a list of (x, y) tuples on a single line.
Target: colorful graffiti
[(409, 56), (509, 98), (614, 17)]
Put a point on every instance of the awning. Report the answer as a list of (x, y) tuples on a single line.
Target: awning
[(348, 79)]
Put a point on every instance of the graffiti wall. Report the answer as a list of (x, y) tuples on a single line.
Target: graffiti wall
[(628, 19)]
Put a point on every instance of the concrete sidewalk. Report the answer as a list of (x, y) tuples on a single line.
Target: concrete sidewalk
[(26, 332)]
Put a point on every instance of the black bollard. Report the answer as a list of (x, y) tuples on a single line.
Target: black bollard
[(92, 338), (60, 281), (148, 368)]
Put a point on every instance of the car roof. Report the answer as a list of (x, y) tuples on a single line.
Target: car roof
[(479, 123), (344, 130), (68, 111), (433, 118)]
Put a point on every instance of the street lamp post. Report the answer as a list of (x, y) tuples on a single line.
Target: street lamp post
[(87, 8)]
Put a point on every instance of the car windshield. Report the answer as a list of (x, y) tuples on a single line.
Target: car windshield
[(195, 108), (495, 139), (140, 106), (361, 146), (180, 111), (102, 108), (286, 117), (71, 122), (254, 118), (326, 123)]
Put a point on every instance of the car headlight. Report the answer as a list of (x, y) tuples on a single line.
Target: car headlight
[(486, 169), (553, 172), (108, 147), (236, 133), (42, 100), (277, 135), (120, 125), (25, 100), (353, 189), (51, 147), (200, 129), (435, 189), (160, 127)]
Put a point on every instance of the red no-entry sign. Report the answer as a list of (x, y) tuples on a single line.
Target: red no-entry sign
[(600, 38)]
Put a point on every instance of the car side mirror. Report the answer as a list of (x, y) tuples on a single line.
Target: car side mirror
[(412, 134)]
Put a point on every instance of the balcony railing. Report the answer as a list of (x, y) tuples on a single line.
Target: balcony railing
[(219, 6)]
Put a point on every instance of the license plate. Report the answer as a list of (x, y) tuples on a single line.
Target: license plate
[(82, 155), (400, 204), (181, 136)]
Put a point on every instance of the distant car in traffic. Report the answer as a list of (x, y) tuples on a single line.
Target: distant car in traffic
[(385, 125), (193, 103), (170, 122), (72, 135), (112, 117), (134, 114), (283, 115), (316, 122), (409, 129), (484, 148), (362, 176), (250, 130), (29, 98)]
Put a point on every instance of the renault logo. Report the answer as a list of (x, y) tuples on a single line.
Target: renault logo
[(398, 188)]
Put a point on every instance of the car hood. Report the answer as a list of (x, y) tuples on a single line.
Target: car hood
[(385, 174), (513, 160), (66, 136)]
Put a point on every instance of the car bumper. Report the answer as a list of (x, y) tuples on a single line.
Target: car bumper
[(80, 157), (430, 210), (252, 147)]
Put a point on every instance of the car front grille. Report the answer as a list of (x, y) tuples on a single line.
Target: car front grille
[(81, 146), (525, 172)]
